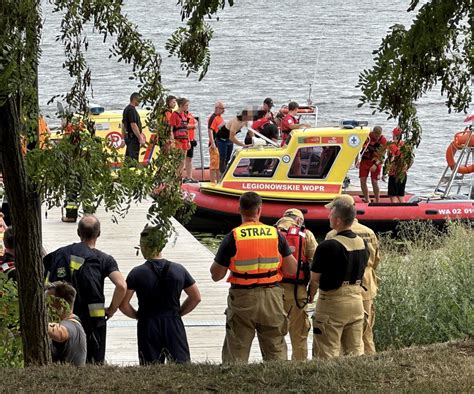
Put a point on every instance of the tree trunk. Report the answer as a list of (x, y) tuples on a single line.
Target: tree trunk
[(26, 221)]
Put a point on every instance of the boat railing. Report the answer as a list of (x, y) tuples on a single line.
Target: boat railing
[(455, 180), (266, 139)]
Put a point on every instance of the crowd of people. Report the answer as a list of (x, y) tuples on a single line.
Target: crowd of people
[(274, 273), (181, 129), (222, 135)]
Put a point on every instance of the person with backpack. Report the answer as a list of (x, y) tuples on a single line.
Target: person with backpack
[(85, 268), (159, 284), (303, 245)]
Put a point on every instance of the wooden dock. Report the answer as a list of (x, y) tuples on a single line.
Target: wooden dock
[(205, 326)]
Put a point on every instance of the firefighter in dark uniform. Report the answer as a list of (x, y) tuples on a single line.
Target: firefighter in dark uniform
[(338, 268), (86, 268), (256, 255), (159, 284), (303, 245)]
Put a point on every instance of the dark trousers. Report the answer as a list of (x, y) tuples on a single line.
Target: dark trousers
[(162, 338), (96, 335), (225, 148), (133, 148)]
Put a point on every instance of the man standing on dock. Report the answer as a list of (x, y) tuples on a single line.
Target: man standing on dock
[(255, 254), (159, 284), (369, 282), (86, 268), (132, 128)]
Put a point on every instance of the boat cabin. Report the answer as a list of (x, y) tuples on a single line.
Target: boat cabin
[(312, 166), (108, 126)]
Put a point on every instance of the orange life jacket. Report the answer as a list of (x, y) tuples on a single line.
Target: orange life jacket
[(257, 260), (293, 236)]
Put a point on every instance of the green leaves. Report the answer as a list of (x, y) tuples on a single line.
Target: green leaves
[(191, 43), (11, 354), (436, 49)]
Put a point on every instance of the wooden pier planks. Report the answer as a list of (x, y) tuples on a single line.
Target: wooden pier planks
[(205, 326)]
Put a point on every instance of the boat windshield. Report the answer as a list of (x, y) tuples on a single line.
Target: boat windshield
[(313, 162), (258, 167)]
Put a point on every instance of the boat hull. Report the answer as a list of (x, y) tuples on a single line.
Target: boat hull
[(219, 213)]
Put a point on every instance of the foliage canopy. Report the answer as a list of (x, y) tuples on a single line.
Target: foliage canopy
[(79, 163), (437, 49)]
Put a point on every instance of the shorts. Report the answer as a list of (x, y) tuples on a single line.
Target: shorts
[(364, 170), (182, 144), (396, 187), (214, 156)]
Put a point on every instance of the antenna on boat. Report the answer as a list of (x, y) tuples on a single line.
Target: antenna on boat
[(310, 99)]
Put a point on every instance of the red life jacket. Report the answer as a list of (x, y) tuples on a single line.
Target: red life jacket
[(181, 132), (293, 235)]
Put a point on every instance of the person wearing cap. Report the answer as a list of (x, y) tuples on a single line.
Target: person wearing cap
[(397, 167), (290, 122), (369, 281), (371, 163), (266, 125), (256, 256), (303, 244), (337, 270)]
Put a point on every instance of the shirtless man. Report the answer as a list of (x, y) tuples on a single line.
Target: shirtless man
[(226, 137)]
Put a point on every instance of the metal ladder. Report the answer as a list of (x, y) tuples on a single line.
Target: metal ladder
[(454, 180)]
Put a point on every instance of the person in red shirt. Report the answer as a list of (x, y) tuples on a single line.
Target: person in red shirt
[(371, 163), (179, 122), (188, 166), (215, 121), (290, 122), (170, 107)]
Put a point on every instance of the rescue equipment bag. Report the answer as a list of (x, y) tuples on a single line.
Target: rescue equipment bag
[(296, 238)]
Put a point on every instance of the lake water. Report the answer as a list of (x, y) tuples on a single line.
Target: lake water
[(267, 48)]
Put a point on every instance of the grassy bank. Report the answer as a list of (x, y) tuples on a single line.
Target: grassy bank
[(426, 292), (436, 368)]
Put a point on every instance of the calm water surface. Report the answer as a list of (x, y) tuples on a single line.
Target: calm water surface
[(267, 48)]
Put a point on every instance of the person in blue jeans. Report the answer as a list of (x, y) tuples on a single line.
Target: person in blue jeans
[(226, 137)]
